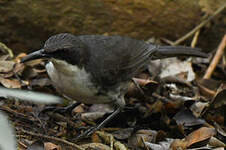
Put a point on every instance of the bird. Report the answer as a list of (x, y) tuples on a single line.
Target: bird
[(95, 69)]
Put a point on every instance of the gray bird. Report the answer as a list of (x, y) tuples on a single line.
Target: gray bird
[(97, 69)]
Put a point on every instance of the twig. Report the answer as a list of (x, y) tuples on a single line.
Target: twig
[(199, 26), (17, 115), (216, 58), (77, 147), (195, 39), (167, 41)]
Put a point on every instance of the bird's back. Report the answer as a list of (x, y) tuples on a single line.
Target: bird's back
[(115, 59)]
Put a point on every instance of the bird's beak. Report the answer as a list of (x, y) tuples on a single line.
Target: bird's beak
[(35, 55)]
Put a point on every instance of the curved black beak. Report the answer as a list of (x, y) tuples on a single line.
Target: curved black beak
[(35, 55)]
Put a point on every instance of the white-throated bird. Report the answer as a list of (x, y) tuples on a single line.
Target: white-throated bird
[(97, 69)]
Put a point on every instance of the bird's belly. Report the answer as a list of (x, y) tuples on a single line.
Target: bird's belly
[(75, 84)]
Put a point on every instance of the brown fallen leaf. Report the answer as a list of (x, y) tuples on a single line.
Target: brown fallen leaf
[(216, 142), (141, 136), (198, 107), (6, 66), (109, 139), (140, 85), (92, 116), (18, 68), (51, 146), (4, 57), (156, 107), (9, 68), (219, 99), (123, 134), (10, 83), (199, 135), (96, 146), (178, 144)]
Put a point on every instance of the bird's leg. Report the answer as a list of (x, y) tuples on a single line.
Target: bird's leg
[(108, 119), (120, 105)]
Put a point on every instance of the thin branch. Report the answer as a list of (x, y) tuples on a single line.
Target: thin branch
[(50, 138), (216, 58), (219, 10), (195, 39)]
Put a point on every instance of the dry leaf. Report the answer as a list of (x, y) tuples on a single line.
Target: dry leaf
[(92, 116), (123, 134), (198, 107), (108, 138), (220, 99), (216, 143), (141, 136), (178, 144), (96, 146), (6, 66), (51, 146), (200, 135), (10, 83), (186, 118), (161, 146), (173, 67)]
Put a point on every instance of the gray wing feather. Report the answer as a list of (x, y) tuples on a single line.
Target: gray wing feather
[(116, 59)]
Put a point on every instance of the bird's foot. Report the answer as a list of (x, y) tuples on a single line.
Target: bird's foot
[(86, 134)]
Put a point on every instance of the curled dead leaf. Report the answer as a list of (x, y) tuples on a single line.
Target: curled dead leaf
[(219, 99), (6, 66), (51, 146), (10, 83), (200, 135), (141, 136)]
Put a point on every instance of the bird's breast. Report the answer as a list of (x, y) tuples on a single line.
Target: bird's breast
[(74, 82)]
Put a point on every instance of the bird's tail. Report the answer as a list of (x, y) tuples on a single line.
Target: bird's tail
[(173, 51)]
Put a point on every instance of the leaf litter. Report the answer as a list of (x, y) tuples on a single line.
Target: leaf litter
[(164, 109)]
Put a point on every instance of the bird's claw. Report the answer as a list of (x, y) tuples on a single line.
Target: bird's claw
[(86, 134)]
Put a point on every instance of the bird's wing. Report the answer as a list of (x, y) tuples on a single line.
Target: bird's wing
[(114, 59)]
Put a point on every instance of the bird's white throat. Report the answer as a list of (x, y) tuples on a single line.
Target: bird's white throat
[(74, 82)]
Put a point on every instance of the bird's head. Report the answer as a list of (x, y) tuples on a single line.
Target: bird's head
[(64, 46)]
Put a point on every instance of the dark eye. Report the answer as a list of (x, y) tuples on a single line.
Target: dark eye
[(57, 53), (66, 55)]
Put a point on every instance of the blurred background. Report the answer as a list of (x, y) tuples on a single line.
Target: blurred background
[(25, 25)]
